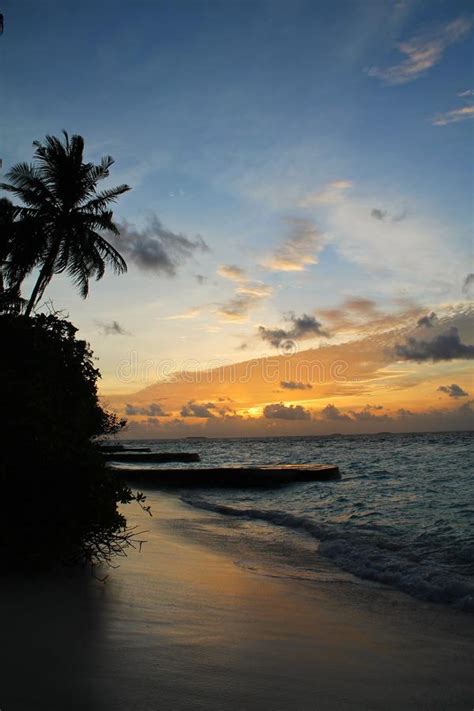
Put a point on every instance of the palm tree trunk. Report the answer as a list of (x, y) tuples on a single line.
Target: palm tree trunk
[(37, 291), (43, 278)]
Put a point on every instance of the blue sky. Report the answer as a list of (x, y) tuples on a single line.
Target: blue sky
[(237, 121)]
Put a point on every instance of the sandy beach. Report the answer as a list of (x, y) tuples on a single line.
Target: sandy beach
[(182, 625)]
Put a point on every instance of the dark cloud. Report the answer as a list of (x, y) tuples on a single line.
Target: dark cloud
[(447, 346), (453, 390), (331, 412), (369, 419), (461, 418), (303, 327), (428, 321), (379, 214), (273, 335), (279, 411), (367, 415), (112, 328), (155, 248), (242, 347), (363, 420), (466, 411), (468, 285), (152, 410), (195, 409), (226, 411), (200, 278), (295, 385)]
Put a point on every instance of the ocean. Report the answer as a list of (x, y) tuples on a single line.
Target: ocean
[(402, 514)]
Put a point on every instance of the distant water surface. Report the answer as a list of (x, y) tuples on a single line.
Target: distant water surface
[(402, 514)]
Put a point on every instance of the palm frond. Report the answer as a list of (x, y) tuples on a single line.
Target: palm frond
[(109, 254), (105, 197), (101, 171), (27, 184), (61, 223)]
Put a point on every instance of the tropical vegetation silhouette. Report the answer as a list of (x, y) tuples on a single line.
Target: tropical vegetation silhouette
[(60, 224), (59, 502)]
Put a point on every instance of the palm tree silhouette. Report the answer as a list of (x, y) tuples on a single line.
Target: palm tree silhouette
[(58, 228), (10, 300)]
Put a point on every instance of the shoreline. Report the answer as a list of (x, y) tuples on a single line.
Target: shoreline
[(184, 625)]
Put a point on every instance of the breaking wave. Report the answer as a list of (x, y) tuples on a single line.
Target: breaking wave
[(372, 553)]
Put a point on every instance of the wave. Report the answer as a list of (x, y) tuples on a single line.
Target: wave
[(374, 555)]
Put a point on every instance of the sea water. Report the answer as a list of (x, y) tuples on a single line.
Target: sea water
[(402, 513)]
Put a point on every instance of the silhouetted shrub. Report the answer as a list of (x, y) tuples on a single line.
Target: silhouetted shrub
[(58, 501)]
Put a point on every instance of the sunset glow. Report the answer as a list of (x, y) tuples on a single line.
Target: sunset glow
[(300, 235)]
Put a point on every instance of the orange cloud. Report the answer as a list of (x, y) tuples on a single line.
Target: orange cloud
[(356, 378)]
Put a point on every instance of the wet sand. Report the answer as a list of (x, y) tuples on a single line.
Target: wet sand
[(181, 626)]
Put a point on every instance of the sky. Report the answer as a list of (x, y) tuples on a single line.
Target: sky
[(299, 229)]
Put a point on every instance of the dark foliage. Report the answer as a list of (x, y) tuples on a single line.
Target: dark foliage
[(62, 219), (58, 501), (10, 299)]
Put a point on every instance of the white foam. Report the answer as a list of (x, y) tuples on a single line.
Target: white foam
[(370, 555)]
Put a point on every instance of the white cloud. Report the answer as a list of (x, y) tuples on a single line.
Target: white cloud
[(422, 52), (248, 294), (419, 252), (331, 193), (299, 250), (230, 271), (190, 313), (454, 116), (238, 307)]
